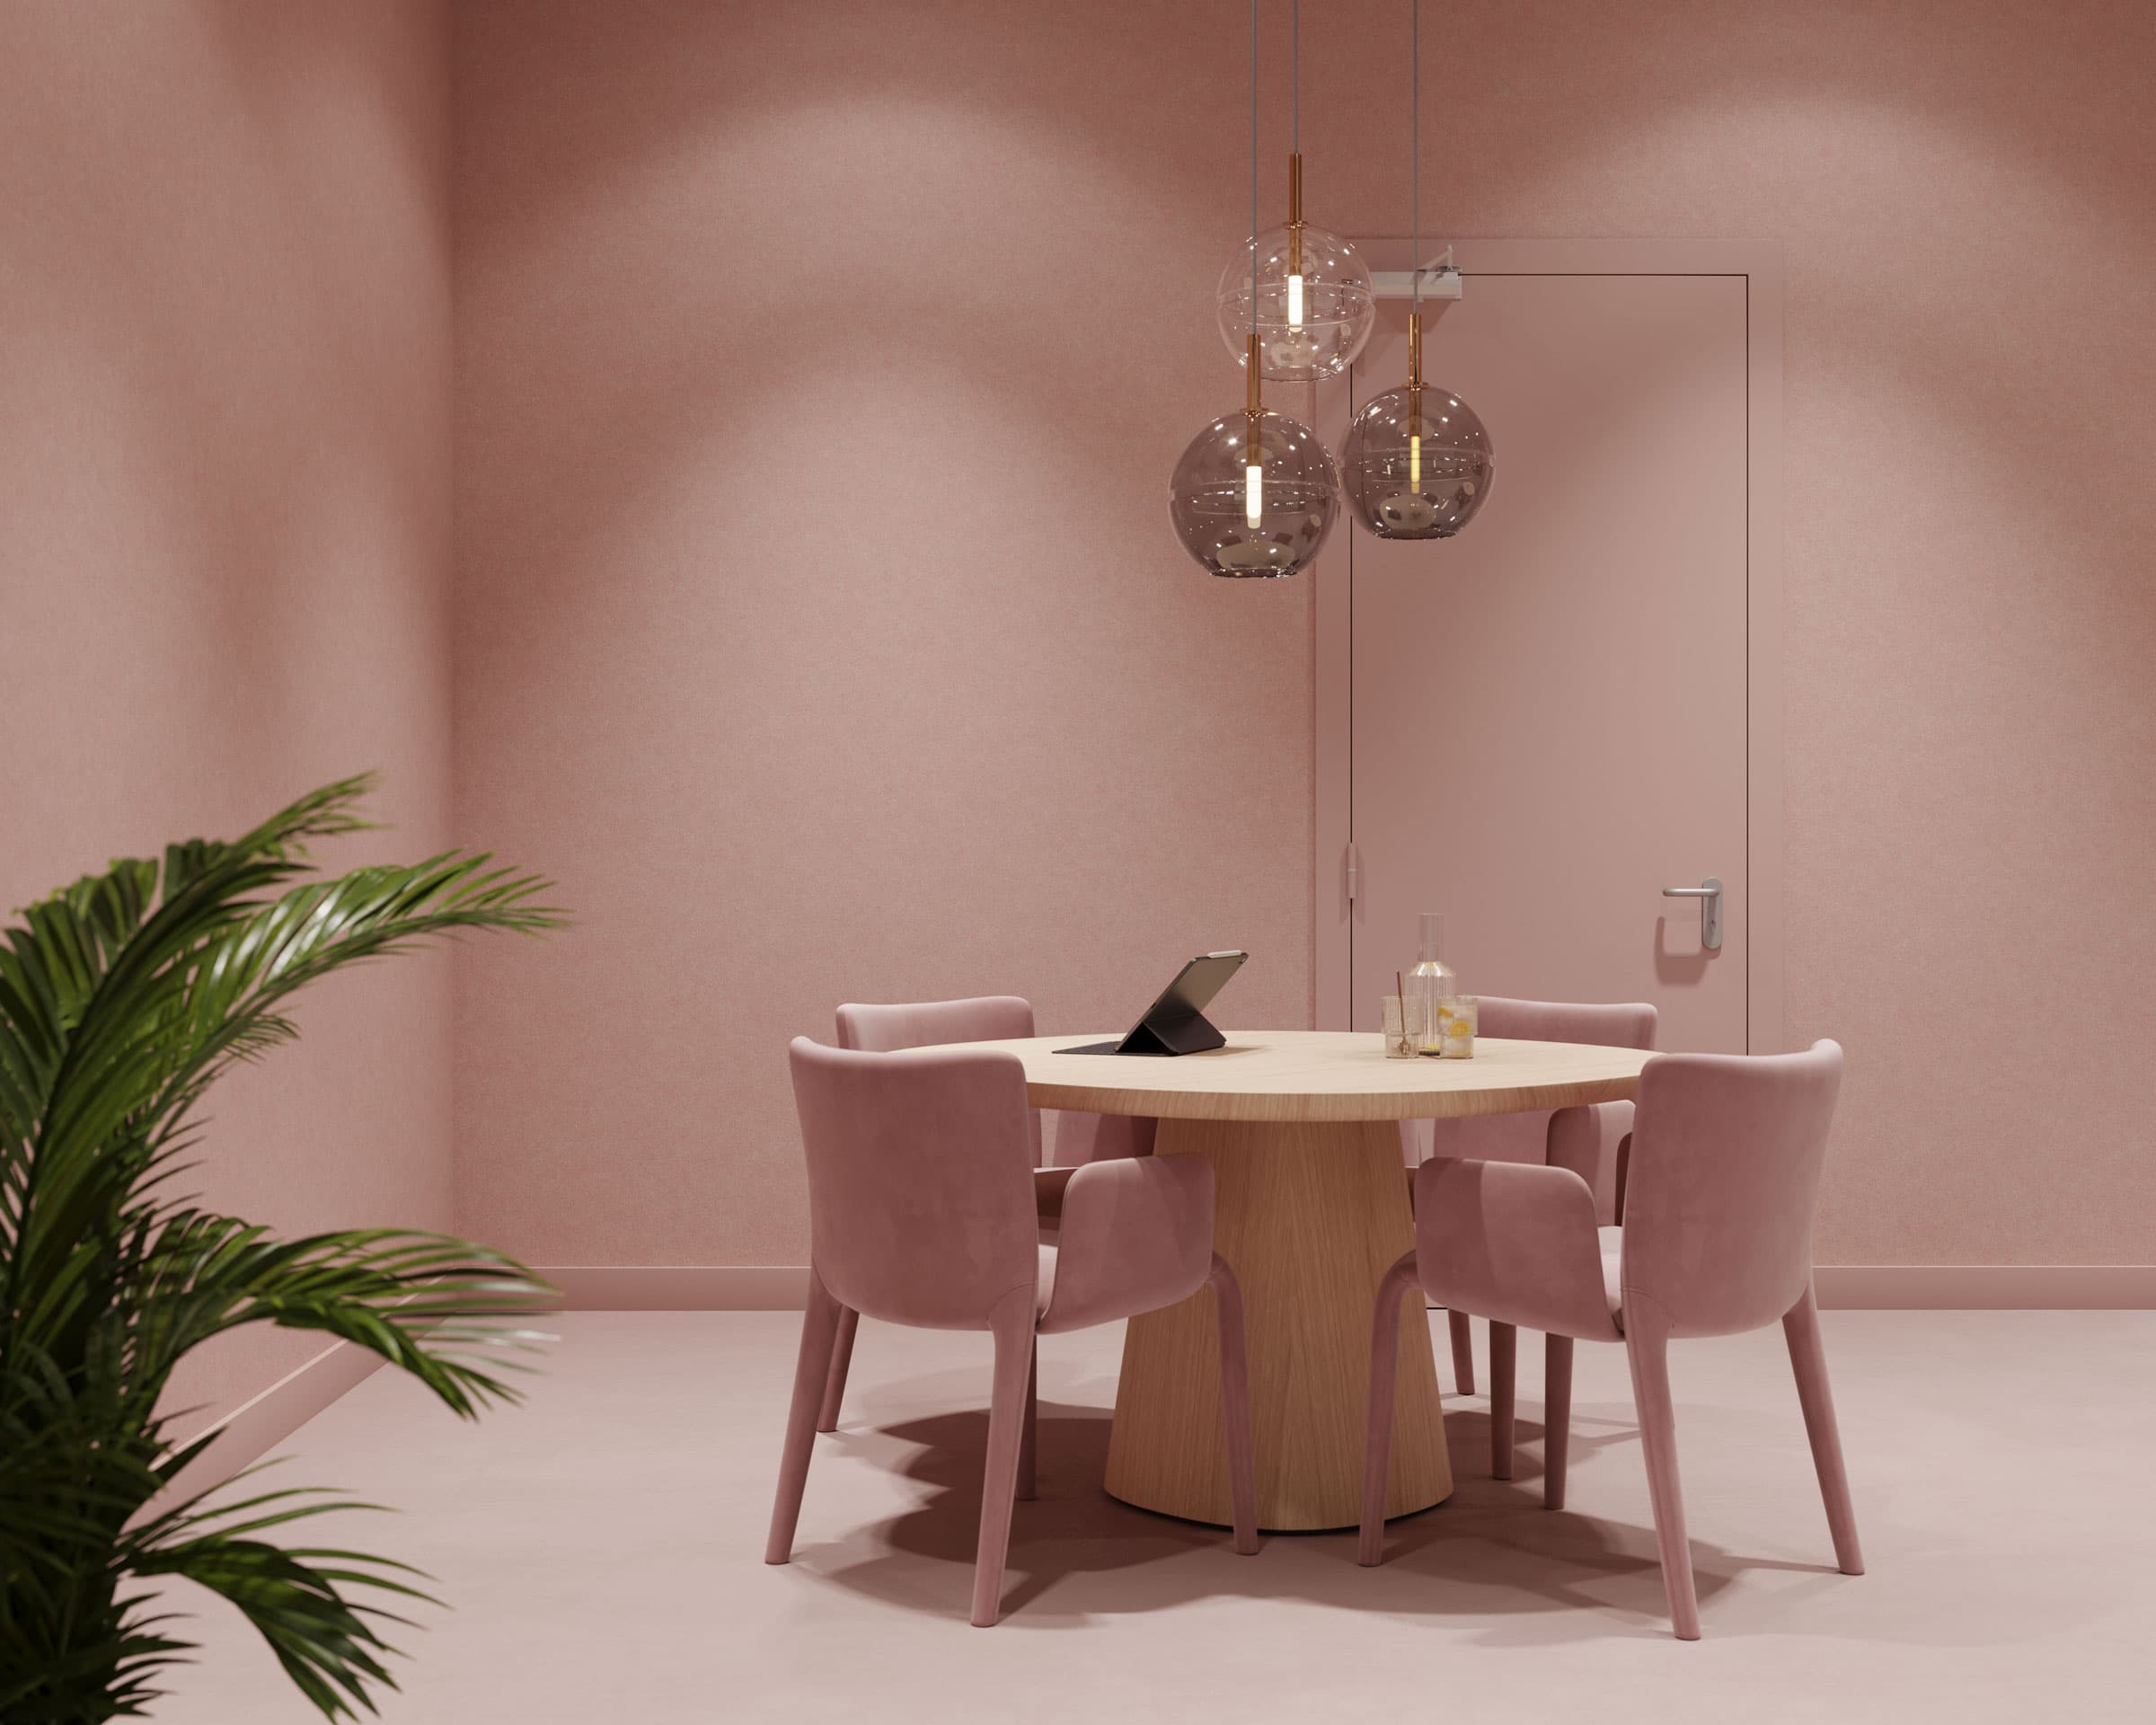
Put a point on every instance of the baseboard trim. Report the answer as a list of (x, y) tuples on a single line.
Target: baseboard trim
[(264, 1420), (1987, 1287), (680, 1287), (759, 1287), (258, 1425)]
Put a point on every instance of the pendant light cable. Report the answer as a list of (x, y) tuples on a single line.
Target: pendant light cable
[(1290, 488), (1404, 478), (1415, 242), (1254, 505), (1294, 76)]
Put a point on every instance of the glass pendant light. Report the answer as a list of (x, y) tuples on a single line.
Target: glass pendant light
[(1416, 462), (1256, 492), (1310, 300)]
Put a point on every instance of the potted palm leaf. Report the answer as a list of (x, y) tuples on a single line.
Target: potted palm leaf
[(122, 999)]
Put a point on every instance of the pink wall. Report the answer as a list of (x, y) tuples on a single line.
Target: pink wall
[(817, 620), (225, 516), (819, 371)]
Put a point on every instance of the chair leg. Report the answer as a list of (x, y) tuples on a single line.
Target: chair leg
[(1029, 1443), (1646, 1346), (842, 1358), (1235, 1404), (1464, 1352), (1377, 1443), (812, 1366), (1503, 1356), (1800, 1327), (1006, 1436), (1557, 1418)]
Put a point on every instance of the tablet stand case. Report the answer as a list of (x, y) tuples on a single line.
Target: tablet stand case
[(1177, 1033), (1163, 1033)]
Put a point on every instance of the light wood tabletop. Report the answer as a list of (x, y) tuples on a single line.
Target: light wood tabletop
[(1311, 1209), (1274, 1076)]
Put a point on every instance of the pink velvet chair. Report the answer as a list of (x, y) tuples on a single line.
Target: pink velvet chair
[(1589, 1141), (921, 1212), (1717, 1239), (987, 1018)]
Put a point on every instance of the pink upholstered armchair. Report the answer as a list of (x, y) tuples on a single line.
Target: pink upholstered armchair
[(1080, 1138), (1590, 1141), (1717, 1239), (921, 1212)]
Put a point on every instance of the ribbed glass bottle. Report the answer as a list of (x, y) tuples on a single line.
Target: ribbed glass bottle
[(1431, 980)]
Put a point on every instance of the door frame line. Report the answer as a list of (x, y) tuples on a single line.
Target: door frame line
[(1759, 262)]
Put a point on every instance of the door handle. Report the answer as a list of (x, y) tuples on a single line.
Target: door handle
[(1708, 892)]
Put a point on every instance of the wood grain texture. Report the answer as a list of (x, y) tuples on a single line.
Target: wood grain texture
[(1339, 1075), (1311, 1216)]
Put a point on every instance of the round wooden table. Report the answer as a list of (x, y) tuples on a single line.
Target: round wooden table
[(1311, 1210)]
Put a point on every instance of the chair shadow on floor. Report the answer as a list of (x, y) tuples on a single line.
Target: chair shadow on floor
[(1491, 1550)]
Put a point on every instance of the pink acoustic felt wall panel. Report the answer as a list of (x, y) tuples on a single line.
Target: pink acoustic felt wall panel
[(818, 618), (224, 503), (820, 372)]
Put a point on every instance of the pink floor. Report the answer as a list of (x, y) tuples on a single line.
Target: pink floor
[(601, 1547)]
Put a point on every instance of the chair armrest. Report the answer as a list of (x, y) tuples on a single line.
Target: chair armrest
[(1590, 1141), (1514, 1241), (1136, 1236)]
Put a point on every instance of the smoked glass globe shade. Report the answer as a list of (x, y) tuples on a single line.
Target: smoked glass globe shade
[(1273, 529), (1305, 331), (1399, 490)]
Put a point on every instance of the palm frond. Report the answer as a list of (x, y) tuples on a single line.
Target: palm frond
[(421, 1301), (327, 1645), (123, 997)]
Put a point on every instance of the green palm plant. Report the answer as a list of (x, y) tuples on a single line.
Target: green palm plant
[(122, 999)]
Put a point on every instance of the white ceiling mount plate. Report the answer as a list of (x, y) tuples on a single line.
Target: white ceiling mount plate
[(1438, 282)]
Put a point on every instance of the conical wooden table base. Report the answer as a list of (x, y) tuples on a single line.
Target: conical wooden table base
[(1311, 1215)]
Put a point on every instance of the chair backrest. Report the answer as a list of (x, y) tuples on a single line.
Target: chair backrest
[(985, 1018), (920, 1191), (1726, 1153), (915, 1024), (1523, 1137)]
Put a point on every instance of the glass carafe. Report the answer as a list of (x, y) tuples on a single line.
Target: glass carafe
[(1430, 981)]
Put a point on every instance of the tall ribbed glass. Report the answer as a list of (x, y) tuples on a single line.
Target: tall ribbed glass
[(1432, 981)]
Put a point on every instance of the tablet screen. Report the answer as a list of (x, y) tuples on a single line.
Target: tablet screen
[(1193, 989)]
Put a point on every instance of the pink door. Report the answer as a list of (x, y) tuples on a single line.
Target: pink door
[(1548, 714)]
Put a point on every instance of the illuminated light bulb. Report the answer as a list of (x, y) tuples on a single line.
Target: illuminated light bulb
[(1295, 302), (1415, 464), (1253, 494)]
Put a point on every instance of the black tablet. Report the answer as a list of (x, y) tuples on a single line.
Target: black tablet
[(1176, 1024)]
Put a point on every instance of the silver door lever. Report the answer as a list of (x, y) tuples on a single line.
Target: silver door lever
[(1708, 892)]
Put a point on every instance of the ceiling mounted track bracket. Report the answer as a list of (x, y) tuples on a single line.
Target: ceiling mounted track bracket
[(1440, 279)]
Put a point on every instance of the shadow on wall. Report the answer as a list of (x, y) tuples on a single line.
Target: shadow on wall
[(819, 373), (1678, 969), (894, 241)]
